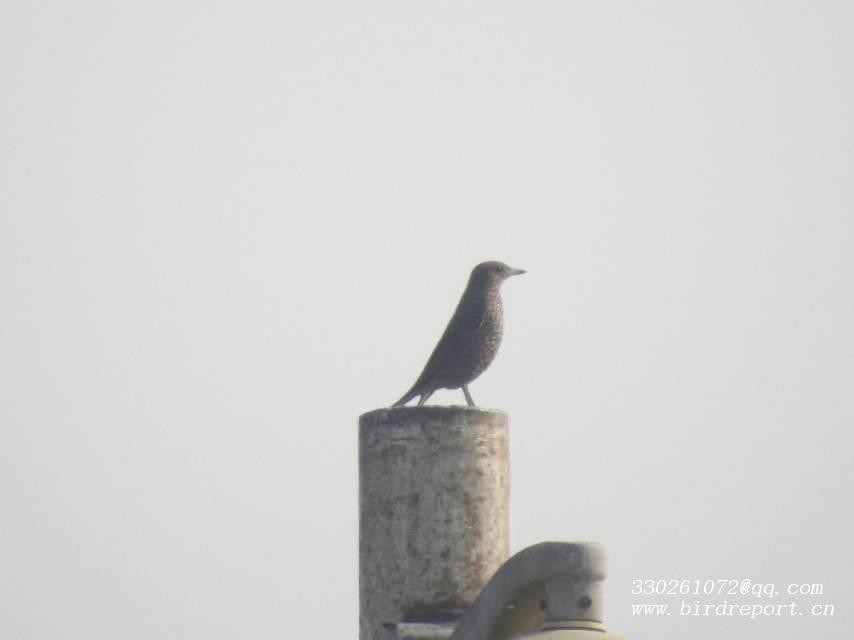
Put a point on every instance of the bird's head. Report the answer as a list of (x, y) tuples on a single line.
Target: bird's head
[(493, 273)]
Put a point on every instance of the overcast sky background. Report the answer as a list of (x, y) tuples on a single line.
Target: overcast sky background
[(227, 229)]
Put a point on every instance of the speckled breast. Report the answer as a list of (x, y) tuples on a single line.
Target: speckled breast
[(479, 353)]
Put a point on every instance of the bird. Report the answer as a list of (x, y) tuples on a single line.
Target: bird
[(471, 339)]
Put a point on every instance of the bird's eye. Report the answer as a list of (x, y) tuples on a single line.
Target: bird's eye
[(499, 268)]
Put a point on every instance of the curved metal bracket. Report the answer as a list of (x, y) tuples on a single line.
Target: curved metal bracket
[(545, 583)]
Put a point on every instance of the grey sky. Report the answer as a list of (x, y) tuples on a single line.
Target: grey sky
[(226, 230)]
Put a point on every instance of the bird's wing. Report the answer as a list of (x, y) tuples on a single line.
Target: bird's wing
[(462, 328)]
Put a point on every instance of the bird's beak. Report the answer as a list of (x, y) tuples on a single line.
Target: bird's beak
[(517, 272)]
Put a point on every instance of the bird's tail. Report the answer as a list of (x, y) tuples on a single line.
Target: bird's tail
[(405, 398)]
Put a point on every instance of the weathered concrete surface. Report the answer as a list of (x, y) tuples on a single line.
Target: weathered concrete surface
[(433, 490), (424, 630), (551, 585)]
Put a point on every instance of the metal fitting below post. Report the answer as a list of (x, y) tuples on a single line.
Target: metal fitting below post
[(550, 591)]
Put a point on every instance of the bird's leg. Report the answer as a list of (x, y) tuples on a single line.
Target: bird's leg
[(424, 397), (468, 396)]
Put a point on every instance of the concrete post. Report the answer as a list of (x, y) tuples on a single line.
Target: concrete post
[(433, 525)]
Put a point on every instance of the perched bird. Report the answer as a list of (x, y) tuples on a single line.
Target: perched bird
[(471, 338)]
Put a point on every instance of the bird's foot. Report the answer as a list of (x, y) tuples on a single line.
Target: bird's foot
[(469, 400)]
